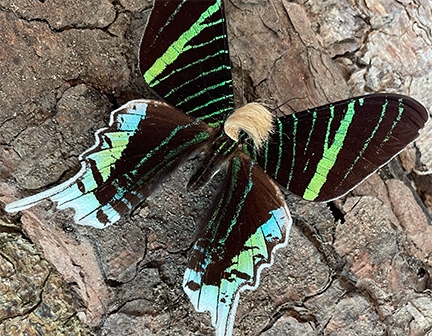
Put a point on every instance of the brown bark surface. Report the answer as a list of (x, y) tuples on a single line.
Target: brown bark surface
[(360, 266)]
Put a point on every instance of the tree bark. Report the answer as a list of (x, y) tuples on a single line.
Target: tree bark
[(357, 266)]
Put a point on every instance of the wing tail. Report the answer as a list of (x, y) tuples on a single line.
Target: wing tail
[(247, 224), (145, 141)]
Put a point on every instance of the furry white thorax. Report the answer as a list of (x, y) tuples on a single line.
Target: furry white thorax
[(254, 119)]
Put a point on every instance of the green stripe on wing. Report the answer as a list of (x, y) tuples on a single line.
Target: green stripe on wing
[(236, 241), (322, 153), (184, 58)]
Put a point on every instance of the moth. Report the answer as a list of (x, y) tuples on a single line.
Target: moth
[(318, 154)]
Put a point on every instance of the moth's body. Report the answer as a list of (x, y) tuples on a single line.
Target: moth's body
[(254, 119)]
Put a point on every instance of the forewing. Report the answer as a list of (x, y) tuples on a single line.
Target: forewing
[(248, 222), (144, 142), (184, 57), (322, 153)]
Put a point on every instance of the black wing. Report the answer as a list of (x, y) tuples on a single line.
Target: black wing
[(145, 141), (322, 153), (248, 223), (184, 58)]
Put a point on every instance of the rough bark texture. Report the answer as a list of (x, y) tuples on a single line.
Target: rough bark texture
[(359, 266)]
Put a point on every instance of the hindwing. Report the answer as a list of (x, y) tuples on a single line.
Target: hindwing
[(249, 221), (145, 141)]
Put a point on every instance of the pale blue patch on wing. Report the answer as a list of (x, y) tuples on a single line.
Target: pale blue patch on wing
[(222, 301), (140, 109), (128, 122), (127, 203), (83, 205), (70, 193), (88, 180), (110, 146), (272, 229)]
